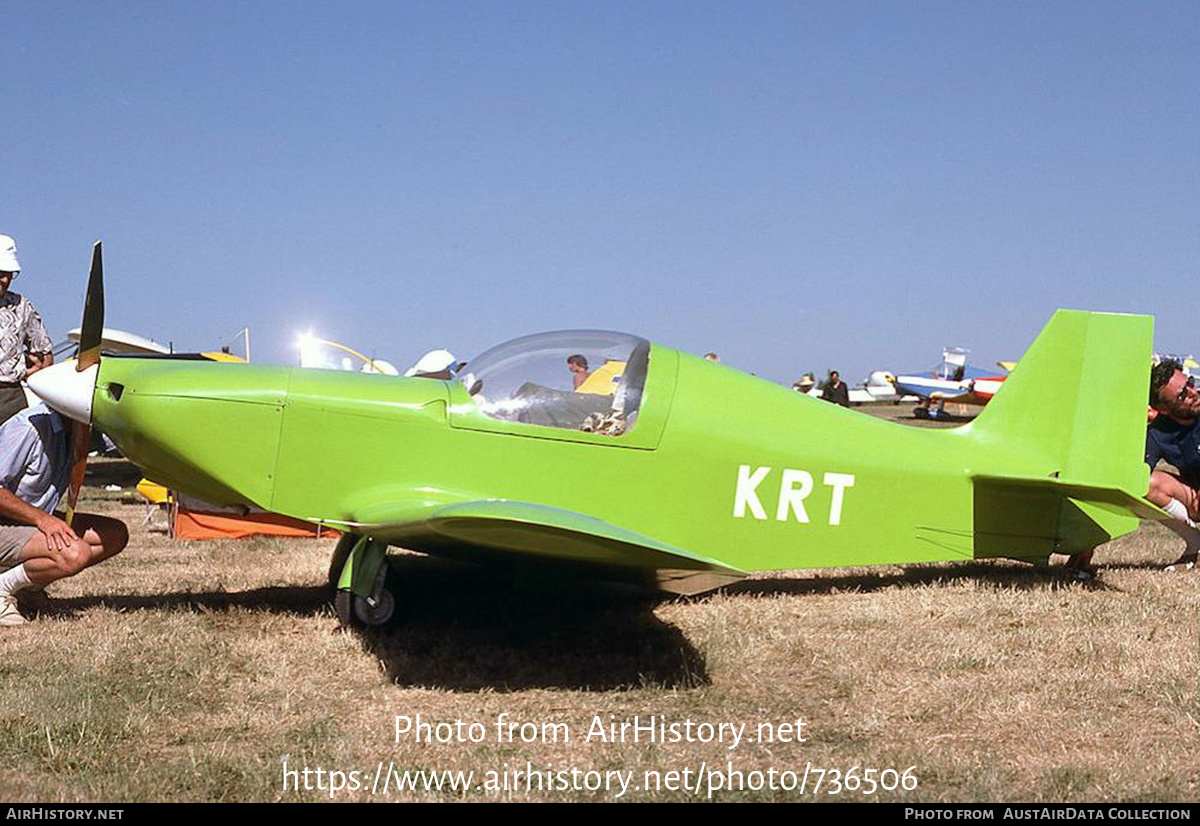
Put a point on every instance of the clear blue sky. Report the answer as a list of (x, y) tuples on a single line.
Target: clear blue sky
[(796, 185)]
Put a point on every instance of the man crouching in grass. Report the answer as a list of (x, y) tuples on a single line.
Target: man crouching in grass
[(36, 547), (1173, 436)]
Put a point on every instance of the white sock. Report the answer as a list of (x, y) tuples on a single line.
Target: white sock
[(13, 580), (1177, 509)]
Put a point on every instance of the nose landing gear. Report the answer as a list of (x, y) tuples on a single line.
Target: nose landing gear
[(358, 572)]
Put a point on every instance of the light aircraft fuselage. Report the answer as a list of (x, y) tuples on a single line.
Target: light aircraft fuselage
[(720, 470)]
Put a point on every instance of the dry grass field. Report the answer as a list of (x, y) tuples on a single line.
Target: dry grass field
[(207, 670)]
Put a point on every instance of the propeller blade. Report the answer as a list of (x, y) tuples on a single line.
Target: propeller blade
[(91, 333), (80, 441), (92, 330)]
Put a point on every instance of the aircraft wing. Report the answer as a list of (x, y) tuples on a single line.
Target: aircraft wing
[(497, 529), (119, 341), (935, 389)]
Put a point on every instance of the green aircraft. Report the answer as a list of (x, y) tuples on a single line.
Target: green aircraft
[(656, 466)]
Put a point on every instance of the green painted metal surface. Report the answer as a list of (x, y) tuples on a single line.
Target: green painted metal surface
[(722, 471)]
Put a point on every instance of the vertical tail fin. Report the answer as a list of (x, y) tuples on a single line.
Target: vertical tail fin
[(1078, 397), (1072, 418)]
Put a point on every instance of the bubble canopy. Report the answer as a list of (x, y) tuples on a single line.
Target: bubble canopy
[(575, 379)]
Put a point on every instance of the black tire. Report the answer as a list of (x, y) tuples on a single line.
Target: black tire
[(341, 607), (354, 612), (381, 614)]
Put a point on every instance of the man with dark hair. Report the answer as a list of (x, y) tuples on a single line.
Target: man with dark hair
[(835, 390), (578, 365), (1174, 436)]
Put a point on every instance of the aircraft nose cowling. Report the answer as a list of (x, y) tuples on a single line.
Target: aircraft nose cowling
[(67, 390)]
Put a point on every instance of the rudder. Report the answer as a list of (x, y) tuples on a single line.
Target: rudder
[(1069, 424), (1078, 397)]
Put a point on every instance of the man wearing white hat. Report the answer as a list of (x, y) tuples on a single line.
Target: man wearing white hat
[(24, 345)]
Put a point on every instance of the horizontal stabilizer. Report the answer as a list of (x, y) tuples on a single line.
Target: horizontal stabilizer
[(1103, 496), (1068, 429), (1034, 517)]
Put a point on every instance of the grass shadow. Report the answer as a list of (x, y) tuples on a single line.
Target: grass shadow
[(467, 628), (461, 627), (1144, 566), (297, 600), (1016, 578)]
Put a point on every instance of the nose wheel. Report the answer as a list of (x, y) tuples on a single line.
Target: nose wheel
[(352, 610), (362, 596)]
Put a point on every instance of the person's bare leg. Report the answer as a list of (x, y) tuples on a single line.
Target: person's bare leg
[(98, 539), (1180, 500), (1167, 486), (1080, 564)]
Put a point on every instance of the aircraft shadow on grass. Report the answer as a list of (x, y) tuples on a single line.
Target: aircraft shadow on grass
[(457, 630), (1015, 578)]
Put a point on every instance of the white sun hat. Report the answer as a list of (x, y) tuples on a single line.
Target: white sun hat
[(8, 255)]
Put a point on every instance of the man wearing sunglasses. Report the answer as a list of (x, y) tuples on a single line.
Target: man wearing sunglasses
[(24, 345), (1174, 436)]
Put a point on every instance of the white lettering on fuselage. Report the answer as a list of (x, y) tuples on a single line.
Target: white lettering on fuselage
[(794, 487)]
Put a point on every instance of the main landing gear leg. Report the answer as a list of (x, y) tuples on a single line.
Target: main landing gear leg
[(362, 596)]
